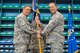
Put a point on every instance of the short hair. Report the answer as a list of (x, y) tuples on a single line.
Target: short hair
[(26, 6), (53, 2)]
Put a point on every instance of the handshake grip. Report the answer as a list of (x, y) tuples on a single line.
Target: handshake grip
[(42, 33)]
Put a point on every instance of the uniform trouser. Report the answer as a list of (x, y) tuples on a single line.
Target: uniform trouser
[(21, 48), (56, 48), (56, 42)]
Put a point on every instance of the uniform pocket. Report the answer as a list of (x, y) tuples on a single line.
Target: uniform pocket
[(55, 37)]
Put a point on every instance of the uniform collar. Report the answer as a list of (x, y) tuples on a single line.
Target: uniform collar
[(23, 14), (54, 13)]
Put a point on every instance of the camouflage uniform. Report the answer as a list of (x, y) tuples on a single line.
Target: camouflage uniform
[(54, 33), (34, 41), (22, 33)]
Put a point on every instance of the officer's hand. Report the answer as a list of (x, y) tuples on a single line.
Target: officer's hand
[(42, 34), (34, 31), (38, 36)]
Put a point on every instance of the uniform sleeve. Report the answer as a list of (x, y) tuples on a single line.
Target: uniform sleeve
[(51, 25), (42, 25), (23, 23), (33, 24)]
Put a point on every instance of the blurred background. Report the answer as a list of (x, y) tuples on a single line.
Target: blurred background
[(9, 9)]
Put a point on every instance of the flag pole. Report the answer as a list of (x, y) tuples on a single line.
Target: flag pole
[(70, 29), (38, 34)]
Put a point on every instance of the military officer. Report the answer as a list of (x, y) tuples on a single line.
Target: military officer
[(54, 30), (22, 31)]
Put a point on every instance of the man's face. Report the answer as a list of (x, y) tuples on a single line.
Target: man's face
[(52, 8), (27, 11)]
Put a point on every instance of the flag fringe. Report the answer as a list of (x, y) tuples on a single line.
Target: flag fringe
[(76, 51)]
